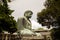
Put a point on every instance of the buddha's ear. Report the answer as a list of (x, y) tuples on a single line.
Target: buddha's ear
[(26, 14)]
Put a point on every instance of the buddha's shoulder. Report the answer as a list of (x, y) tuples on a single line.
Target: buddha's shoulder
[(20, 18)]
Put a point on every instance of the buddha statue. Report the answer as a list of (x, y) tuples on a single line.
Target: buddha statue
[(24, 24)]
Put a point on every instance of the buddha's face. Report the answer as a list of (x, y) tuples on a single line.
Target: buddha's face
[(28, 15)]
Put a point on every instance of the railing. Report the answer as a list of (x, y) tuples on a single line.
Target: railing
[(17, 37), (9, 37)]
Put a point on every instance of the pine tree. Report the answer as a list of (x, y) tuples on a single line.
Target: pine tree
[(7, 22)]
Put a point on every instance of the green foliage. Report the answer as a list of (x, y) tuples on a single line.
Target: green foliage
[(7, 21), (9, 0), (52, 11), (55, 34)]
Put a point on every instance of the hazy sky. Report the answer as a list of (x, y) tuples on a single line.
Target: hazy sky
[(20, 6)]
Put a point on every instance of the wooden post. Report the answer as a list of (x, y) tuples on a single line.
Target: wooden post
[(9, 36), (2, 36), (6, 38), (44, 37)]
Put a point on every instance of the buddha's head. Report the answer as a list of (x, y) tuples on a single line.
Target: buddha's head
[(28, 14)]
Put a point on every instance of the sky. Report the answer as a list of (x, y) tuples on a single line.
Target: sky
[(20, 6)]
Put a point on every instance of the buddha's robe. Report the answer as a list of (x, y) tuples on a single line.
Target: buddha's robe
[(24, 26)]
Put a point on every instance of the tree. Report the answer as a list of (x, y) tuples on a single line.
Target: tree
[(52, 14), (52, 10), (45, 18), (7, 21)]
